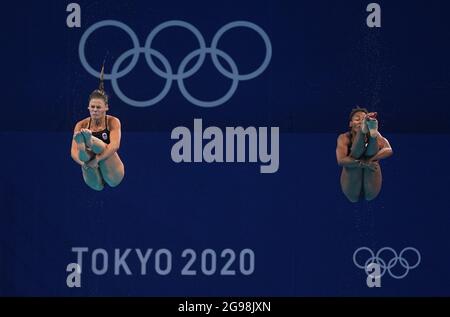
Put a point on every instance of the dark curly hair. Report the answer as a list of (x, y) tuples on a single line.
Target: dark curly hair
[(355, 110)]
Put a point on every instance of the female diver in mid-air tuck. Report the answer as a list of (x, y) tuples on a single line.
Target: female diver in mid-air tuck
[(358, 152), (95, 143)]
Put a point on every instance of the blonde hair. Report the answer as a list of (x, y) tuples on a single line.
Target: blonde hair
[(100, 92)]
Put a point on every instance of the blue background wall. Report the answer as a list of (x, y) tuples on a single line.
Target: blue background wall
[(302, 229)]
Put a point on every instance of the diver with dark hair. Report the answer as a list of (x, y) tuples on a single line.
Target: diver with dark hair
[(96, 141), (358, 152)]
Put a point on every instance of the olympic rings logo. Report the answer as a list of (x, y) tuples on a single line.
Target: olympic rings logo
[(387, 265), (181, 74)]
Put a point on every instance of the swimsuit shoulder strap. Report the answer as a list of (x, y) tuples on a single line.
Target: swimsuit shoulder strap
[(89, 125), (106, 122)]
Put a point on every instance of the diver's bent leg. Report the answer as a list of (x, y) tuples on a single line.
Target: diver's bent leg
[(372, 147), (93, 178), (358, 146), (97, 145), (372, 181), (112, 170), (351, 183), (84, 155)]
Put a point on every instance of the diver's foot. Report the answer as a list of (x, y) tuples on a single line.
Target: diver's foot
[(87, 134), (372, 115), (364, 128), (372, 125), (79, 139)]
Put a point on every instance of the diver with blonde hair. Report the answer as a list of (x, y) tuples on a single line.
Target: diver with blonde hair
[(96, 141)]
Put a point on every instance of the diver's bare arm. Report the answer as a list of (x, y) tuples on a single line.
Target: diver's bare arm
[(349, 161), (384, 152), (74, 147), (77, 160), (113, 146), (341, 154)]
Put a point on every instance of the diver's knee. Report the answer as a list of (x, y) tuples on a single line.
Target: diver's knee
[(352, 197), (114, 184), (96, 187), (370, 196), (114, 181)]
